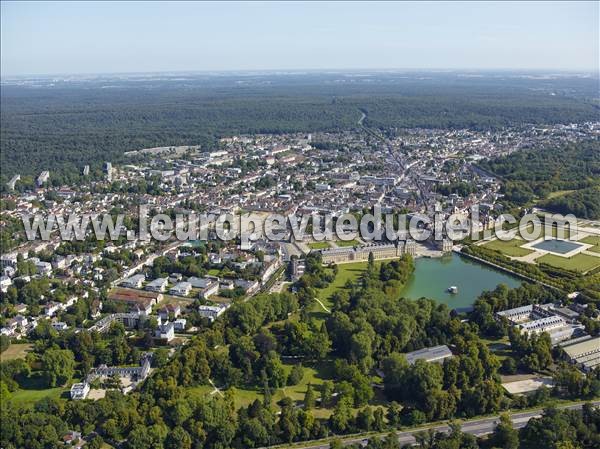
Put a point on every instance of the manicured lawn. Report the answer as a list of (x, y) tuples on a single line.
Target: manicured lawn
[(346, 272), (342, 243), (318, 245), (214, 272), (592, 240), (23, 397), (16, 351), (580, 262), (509, 248), (34, 388)]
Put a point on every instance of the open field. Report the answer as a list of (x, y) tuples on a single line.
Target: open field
[(24, 397), (34, 388), (16, 351), (581, 262), (179, 300), (509, 248), (318, 245)]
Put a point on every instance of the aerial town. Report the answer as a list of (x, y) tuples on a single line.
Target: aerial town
[(136, 283)]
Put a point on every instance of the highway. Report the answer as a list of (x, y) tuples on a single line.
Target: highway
[(476, 427)]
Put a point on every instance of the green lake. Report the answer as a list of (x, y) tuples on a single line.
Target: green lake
[(433, 276)]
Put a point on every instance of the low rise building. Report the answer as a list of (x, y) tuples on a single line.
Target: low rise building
[(584, 353), (157, 285), (559, 322), (434, 354), (181, 289), (136, 300), (134, 281), (169, 310), (212, 312), (80, 390), (165, 331)]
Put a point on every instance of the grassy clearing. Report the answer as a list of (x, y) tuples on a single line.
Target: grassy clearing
[(199, 391), (34, 388), (500, 347), (180, 301), (313, 374), (509, 248), (559, 193), (25, 397), (16, 351), (581, 263), (346, 272), (318, 245)]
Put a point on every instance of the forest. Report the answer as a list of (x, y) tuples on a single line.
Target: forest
[(564, 179), (62, 126)]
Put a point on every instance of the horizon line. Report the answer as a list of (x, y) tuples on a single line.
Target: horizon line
[(312, 70)]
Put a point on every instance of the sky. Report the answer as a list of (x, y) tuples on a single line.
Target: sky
[(108, 37)]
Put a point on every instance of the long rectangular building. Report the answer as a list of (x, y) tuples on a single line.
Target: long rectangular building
[(361, 253), (585, 354), (434, 354)]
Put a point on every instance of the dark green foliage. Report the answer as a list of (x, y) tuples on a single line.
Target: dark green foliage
[(64, 127), (534, 174), (584, 203)]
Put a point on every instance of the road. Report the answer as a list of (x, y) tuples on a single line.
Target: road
[(362, 118), (476, 427)]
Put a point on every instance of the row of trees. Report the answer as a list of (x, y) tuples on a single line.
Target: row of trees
[(556, 429)]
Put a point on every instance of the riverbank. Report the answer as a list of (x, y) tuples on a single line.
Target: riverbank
[(504, 269)]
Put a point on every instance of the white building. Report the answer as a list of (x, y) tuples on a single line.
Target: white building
[(181, 289), (80, 390), (180, 324), (43, 268), (60, 325), (5, 282), (134, 281), (157, 285), (165, 331), (212, 312)]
